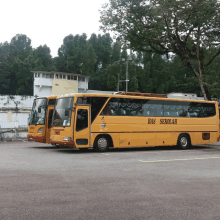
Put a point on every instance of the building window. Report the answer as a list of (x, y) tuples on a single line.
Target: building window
[(38, 75), (47, 75), (35, 75), (68, 77), (64, 76), (60, 76), (56, 76), (71, 77), (43, 75), (51, 76), (75, 77)]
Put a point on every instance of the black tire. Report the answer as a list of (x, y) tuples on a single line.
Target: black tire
[(101, 144), (183, 141)]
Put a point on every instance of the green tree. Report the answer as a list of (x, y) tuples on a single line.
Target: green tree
[(24, 76), (182, 78), (5, 72), (5, 68), (212, 79), (116, 51), (112, 71), (76, 55), (188, 28), (98, 80), (103, 49), (20, 54), (20, 46), (43, 59)]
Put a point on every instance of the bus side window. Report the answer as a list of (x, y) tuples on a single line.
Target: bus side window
[(107, 110)]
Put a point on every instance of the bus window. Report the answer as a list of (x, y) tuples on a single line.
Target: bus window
[(152, 108), (38, 112), (62, 112), (173, 109), (95, 102), (82, 119), (123, 107)]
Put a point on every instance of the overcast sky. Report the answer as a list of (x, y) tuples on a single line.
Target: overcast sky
[(49, 21)]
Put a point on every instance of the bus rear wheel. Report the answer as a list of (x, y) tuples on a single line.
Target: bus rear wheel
[(101, 144), (183, 141)]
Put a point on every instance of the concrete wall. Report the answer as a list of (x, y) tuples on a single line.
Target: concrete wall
[(10, 102), (12, 119), (14, 111)]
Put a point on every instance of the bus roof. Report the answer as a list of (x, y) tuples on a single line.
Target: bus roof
[(48, 97), (136, 96)]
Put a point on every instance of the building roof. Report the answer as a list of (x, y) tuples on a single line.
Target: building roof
[(74, 74)]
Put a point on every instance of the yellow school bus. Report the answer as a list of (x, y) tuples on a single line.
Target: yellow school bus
[(40, 119), (126, 120)]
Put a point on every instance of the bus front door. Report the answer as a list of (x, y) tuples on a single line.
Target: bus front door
[(82, 126)]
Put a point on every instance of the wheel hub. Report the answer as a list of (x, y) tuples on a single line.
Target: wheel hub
[(102, 143), (183, 141)]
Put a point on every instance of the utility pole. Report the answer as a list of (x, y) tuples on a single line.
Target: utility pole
[(118, 83), (126, 80)]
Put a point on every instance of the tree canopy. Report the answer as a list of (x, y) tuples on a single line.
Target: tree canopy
[(187, 28), (106, 61)]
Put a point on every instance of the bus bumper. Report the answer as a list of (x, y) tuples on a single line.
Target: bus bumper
[(40, 139), (30, 138), (63, 143)]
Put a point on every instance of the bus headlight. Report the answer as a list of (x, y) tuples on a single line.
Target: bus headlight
[(40, 130), (67, 139)]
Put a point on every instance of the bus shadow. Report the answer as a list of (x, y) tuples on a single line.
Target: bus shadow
[(45, 148), (66, 150), (63, 149), (160, 148), (121, 150)]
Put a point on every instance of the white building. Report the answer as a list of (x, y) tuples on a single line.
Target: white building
[(58, 83)]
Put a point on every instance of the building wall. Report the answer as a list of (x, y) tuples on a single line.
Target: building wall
[(42, 91), (83, 85), (62, 87), (43, 82)]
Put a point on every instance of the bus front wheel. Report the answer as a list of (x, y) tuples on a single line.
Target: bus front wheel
[(183, 141), (101, 144)]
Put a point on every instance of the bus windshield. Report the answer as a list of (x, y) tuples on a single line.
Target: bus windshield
[(62, 112), (38, 112)]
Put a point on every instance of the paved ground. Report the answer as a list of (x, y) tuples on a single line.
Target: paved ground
[(38, 181)]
